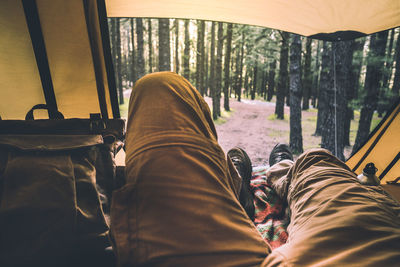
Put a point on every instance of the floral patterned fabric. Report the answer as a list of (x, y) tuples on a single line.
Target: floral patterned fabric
[(271, 218)]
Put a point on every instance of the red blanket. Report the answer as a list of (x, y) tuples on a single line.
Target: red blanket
[(271, 218)]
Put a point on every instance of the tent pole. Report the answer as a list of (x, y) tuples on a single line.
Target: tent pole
[(39, 48)]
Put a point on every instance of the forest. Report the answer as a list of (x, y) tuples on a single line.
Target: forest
[(224, 60)]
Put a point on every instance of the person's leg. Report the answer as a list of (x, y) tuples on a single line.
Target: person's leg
[(335, 221), (180, 204), (242, 163)]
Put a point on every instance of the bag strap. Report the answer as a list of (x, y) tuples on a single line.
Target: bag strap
[(57, 114)]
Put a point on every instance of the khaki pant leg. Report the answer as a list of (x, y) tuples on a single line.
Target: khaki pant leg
[(179, 206), (335, 221)]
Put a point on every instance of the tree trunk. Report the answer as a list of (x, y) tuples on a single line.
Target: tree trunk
[(140, 49), (164, 53), (387, 74), (202, 58), (186, 52), (349, 90), (237, 69), (315, 85), (149, 28), (396, 81), (176, 25), (264, 84), (200, 43), (271, 80), (133, 72), (118, 60), (246, 82), (228, 51), (283, 76), (213, 90), (296, 139), (206, 67), (240, 69), (383, 101), (254, 84), (307, 81), (325, 83), (333, 131), (218, 68), (373, 78), (357, 66)]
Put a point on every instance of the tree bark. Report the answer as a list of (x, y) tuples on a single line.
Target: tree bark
[(186, 52), (357, 66), (199, 55), (349, 90), (212, 73), (140, 49), (296, 139), (149, 28), (315, 85), (254, 83), (202, 58), (118, 60), (271, 80), (218, 68), (283, 77), (396, 80), (325, 83), (264, 84), (373, 78), (227, 80), (133, 72), (176, 25), (387, 74), (164, 53), (333, 130), (307, 81)]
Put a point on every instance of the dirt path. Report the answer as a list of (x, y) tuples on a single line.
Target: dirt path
[(252, 127)]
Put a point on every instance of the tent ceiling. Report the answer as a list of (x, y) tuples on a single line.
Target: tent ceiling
[(304, 17), (73, 47)]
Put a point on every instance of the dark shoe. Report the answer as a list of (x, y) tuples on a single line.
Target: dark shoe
[(243, 166), (280, 152)]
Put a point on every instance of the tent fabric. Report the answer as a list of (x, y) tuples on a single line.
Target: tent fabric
[(382, 148), (304, 17), (70, 54)]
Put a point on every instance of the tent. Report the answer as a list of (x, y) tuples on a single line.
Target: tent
[(382, 148), (58, 52)]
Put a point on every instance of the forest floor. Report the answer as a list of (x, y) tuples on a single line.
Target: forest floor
[(252, 125)]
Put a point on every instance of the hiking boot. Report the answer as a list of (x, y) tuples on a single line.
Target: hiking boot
[(280, 152), (243, 166)]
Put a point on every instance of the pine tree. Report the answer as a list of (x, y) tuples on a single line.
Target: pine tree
[(307, 80), (315, 84), (271, 80), (140, 49), (150, 43), (164, 53), (373, 78), (296, 139), (283, 76), (396, 81), (212, 73), (218, 68), (186, 52), (176, 26), (227, 80), (325, 83)]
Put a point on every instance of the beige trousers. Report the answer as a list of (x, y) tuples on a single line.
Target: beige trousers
[(180, 204)]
